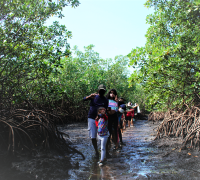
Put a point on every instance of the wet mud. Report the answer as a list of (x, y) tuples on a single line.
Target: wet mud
[(141, 158)]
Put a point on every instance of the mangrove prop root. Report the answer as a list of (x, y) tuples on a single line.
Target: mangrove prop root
[(156, 116), (184, 124), (27, 131)]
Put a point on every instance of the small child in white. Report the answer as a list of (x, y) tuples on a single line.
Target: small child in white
[(103, 133)]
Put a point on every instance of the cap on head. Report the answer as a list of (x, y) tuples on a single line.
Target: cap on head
[(101, 86), (123, 106)]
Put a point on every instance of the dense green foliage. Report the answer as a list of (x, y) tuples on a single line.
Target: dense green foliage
[(36, 64), (43, 82), (80, 75), (169, 64), (29, 51)]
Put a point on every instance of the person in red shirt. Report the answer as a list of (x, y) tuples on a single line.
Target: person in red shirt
[(130, 112)]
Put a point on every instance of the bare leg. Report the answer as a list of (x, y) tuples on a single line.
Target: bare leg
[(129, 123), (124, 125)]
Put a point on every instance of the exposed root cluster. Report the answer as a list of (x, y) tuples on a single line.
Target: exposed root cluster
[(185, 124), (156, 116), (28, 131)]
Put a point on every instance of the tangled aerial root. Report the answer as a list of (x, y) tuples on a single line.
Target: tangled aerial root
[(24, 131), (185, 124), (156, 116)]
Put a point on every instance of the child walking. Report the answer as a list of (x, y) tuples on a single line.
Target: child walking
[(103, 133)]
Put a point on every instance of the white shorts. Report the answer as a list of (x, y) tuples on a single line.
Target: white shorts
[(92, 128)]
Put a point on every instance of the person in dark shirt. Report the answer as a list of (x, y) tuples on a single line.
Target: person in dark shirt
[(112, 117), (96, 100), (121, 111)]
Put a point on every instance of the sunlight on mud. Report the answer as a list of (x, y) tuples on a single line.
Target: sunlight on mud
[(139, 159)]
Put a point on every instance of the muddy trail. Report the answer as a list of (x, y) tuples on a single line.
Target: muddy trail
[(140, 158)]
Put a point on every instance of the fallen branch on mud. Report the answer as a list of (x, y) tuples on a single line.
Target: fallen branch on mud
[(185, 124), (30, 131)]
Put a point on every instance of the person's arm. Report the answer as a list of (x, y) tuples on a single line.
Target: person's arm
[(105, 117), (91, 96), (135, 106), (130, 110), (97, 119), (116, 98), (96, 122)]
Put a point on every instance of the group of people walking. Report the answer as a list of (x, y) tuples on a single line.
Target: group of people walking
[(106, 118)]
